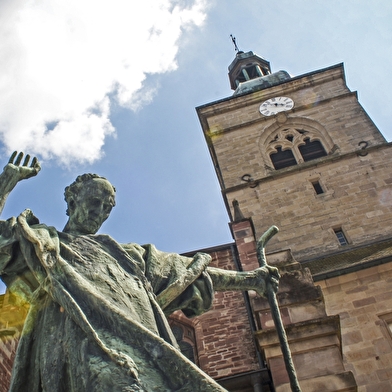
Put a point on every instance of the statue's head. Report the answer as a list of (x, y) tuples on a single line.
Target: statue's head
[(90, 199)]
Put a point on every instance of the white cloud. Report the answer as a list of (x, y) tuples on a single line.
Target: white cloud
[(60, 60)]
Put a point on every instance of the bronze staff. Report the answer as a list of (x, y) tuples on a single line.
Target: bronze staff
[(275, 312)]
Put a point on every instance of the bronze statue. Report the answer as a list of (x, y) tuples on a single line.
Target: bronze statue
[(97, 319)]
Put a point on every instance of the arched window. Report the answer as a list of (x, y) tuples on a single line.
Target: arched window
[(282, 159), (290, 146), (311, 150)]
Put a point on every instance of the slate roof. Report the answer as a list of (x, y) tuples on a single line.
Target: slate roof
[(352, 259)]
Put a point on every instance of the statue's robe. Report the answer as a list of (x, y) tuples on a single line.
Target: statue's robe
[(95, 323)]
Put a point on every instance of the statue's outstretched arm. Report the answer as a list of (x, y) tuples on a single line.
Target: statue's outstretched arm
[(14, 172), (250, 280), (262, 279)]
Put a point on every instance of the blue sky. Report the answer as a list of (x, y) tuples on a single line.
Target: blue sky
[(113, 92)]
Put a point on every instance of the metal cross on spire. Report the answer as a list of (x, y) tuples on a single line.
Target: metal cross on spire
[(235, 43)]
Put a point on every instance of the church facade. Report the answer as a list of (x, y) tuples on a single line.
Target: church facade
[(302, 154)]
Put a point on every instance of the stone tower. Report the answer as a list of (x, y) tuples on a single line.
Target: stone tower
[(301, 153)]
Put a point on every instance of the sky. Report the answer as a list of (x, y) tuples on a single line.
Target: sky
[(111, 88)]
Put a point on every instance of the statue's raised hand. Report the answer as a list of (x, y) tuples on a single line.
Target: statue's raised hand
[(14, 172), (21, 172)]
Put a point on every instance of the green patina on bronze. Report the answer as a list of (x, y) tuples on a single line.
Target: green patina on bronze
[(97, 319)]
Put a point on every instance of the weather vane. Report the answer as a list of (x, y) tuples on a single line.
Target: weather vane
[(235, 43)]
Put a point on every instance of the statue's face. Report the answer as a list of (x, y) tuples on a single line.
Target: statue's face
[(91, 207)]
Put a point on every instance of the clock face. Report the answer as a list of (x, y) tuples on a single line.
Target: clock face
[(275, 105)]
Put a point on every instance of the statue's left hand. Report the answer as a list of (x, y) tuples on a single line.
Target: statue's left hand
[(274, 277), (44, 238), (23, 171)]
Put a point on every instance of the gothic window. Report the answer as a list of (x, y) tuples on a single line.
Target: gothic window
[(289, 147), (281, 159), (311, 150)]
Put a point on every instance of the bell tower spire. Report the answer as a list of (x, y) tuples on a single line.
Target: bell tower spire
[(250, 72), (246, 66)]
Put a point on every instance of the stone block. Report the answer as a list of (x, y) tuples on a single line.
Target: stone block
[(330, 383)]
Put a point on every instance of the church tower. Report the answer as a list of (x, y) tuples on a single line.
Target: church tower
[(301, 153)]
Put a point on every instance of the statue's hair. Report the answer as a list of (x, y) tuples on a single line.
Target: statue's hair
[(73, 190)]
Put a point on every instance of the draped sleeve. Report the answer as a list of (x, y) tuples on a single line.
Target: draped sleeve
[(179, 282), (7, 241)]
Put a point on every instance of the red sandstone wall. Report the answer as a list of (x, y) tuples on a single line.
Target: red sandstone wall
[(225, 339), (8, 346)]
